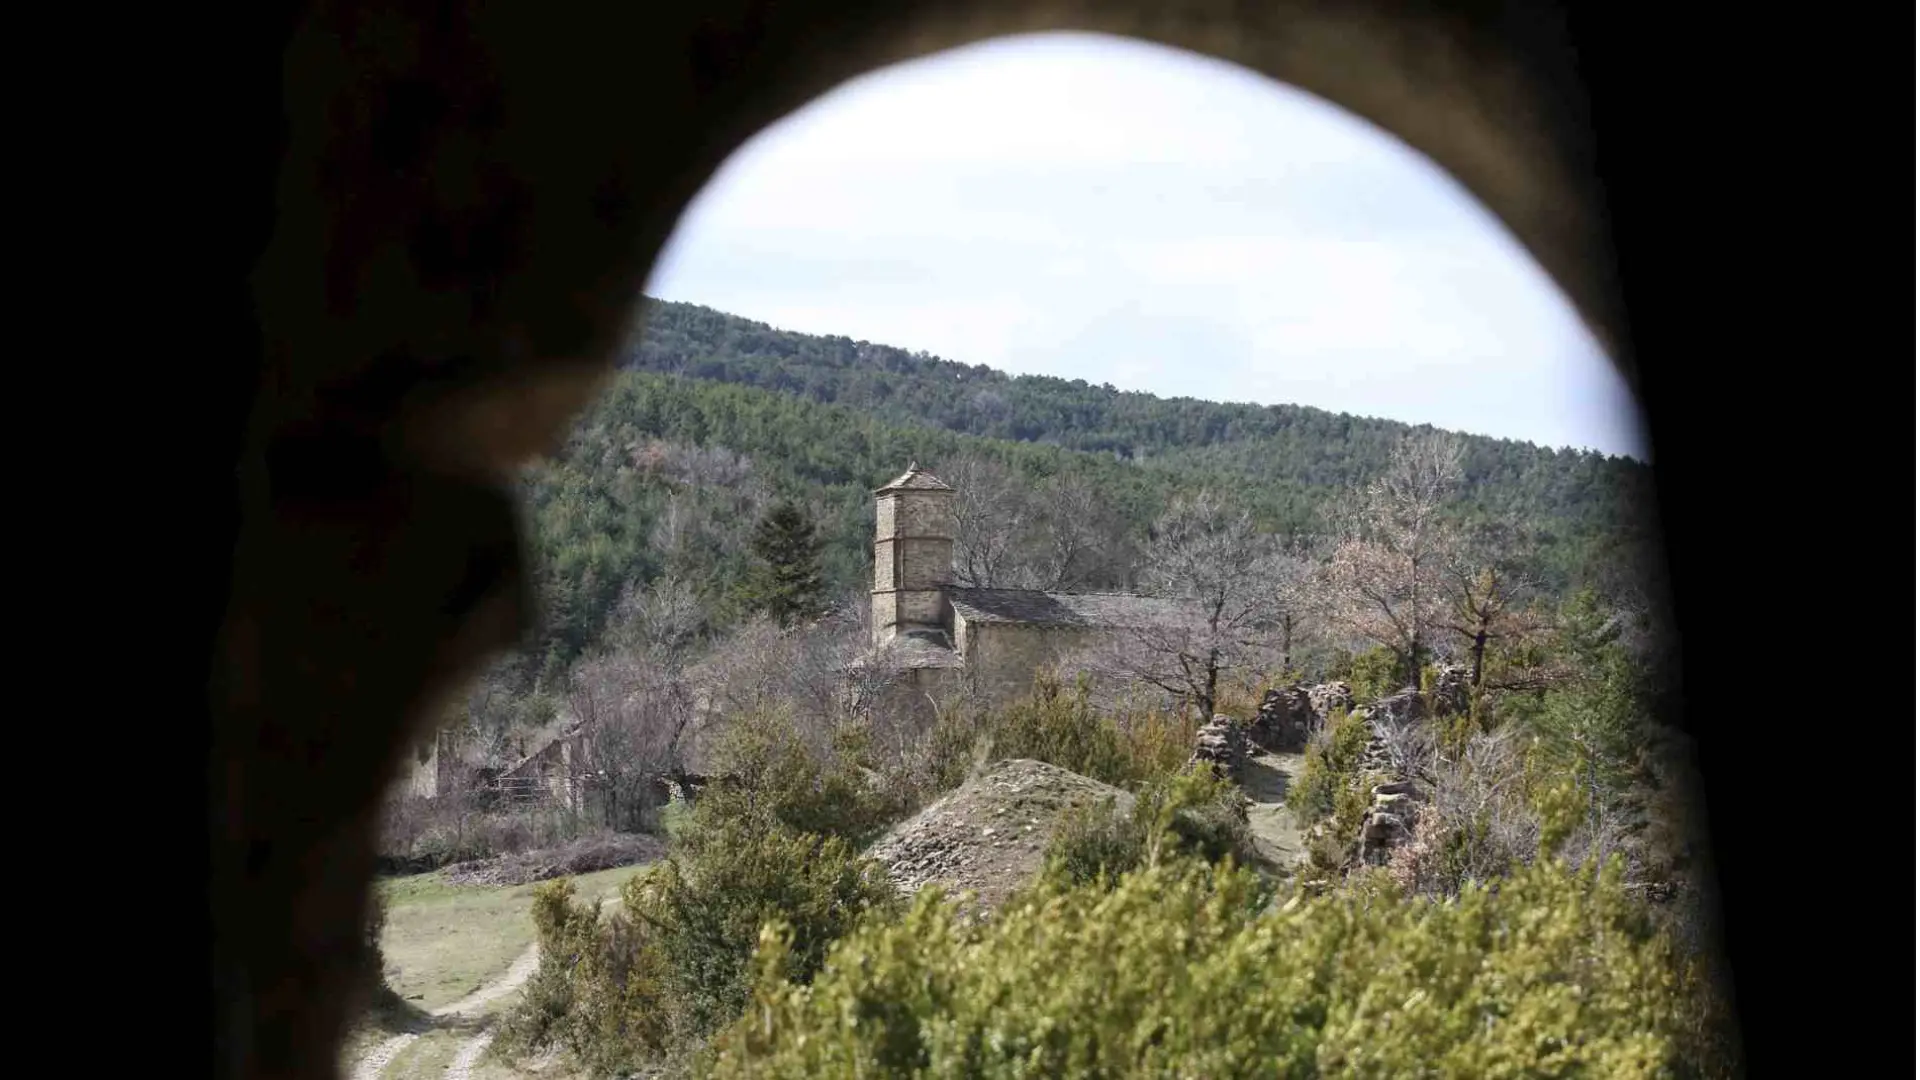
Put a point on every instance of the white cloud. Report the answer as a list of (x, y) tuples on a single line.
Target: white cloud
[(1118, 212)]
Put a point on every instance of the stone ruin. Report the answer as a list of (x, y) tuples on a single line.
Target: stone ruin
[(1221, 744), (1285, 720), (1390, 819), (1288, 716)]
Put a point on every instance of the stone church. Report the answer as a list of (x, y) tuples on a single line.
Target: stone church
[(936, 634)]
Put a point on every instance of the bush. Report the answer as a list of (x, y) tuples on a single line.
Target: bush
[(674, 964), (953, 747), (1181, 970), (1373, 674), (1061, 726), (772, 776), (706, 909), (1192, 813), (600, 989), (1331, 765)]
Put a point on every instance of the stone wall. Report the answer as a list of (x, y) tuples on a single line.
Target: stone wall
[(1220, 744), (912, 560), (915, 513), (1289, 715), (1003, 657)]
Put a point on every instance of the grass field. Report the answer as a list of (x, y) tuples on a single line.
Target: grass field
[(443, 942)]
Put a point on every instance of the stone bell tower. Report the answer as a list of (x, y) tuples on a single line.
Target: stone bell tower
[(912, 555)]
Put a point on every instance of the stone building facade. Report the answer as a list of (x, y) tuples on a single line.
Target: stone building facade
[(935, 635)]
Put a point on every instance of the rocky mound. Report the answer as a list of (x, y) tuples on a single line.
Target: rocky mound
[(990, 835)]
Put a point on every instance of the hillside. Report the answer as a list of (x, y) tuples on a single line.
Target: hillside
[(715, 415), (1290, 445)]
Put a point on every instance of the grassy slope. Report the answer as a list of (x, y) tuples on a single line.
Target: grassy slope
[(442, 942)]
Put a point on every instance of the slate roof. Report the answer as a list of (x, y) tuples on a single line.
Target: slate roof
[(914, 479), (916, 649), (1093, 610)]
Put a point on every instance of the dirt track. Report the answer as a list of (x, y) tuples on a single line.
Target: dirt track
[(376, 1060)]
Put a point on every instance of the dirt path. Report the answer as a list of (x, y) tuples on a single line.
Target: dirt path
[(516, 977), (1265, 777), (376, 1060), (469, 1055)]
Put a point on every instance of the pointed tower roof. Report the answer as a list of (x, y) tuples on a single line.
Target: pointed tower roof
[(914, 479)]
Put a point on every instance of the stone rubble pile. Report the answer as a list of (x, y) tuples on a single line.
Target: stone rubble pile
[(1389, 821), (1285, 720), (1220, 744)]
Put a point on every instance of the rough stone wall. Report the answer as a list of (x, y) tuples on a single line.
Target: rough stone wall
[(1220, 744), (913, 693), (1004, 656), (918, 513), (924, 563), (1285, 720), (912, 561)]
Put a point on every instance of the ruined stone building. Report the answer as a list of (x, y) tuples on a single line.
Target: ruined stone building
[(935, 634)]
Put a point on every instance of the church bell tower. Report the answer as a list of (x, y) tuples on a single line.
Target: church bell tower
[(912, 554)]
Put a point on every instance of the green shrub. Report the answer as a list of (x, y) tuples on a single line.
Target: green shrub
[(1181, 970), (1061, 726), (674, 963), (956, 745), (772, 776), (600, 989), (1331, 765), (1374, 674), (706, 908), (1092, 841), (1192, 813)]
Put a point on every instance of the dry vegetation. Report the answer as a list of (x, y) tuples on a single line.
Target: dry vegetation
[(1117, 876)]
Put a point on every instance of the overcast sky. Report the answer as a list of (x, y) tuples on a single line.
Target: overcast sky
[(1106, 210)]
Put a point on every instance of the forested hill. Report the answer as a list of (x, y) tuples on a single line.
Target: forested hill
[(1289, 444), (662, 480)]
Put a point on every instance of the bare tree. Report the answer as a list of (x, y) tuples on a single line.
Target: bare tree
[(630, 722), (1488, 594), (1296, 598), (1079, 541), (663, 618), (991, 520), (1222, 575), (1477, 823), (1386, 581)]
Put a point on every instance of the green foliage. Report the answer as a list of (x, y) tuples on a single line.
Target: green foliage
[(786, 581), (675, 962), (1191, 813), (956, 745), (773, 777), (1183, 970), (1061, 726), (1094, 841), (1374, 674), (705, 909), (1595, 726), (600, 990), (776, 839), (1331, 765)]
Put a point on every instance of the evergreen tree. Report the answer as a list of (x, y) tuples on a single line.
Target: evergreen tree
[(1596, 723), (786, 581)]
